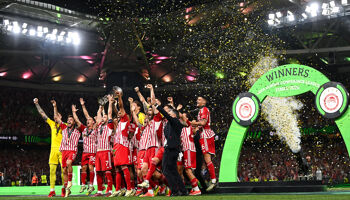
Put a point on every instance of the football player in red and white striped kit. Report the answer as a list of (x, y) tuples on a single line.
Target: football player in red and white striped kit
[(68, 147), (121, 150), (89, 148), (103, 162), (153, 136), (206, 140), (189, 154)]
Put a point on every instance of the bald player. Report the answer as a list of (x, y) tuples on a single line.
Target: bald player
[(55, 154)]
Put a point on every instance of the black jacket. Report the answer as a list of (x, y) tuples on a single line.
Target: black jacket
[(172, 130)]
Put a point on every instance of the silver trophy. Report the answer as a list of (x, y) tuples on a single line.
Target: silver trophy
[(116, 89), (102, 100)]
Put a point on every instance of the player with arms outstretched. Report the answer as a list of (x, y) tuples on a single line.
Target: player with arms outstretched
[(55, 154)]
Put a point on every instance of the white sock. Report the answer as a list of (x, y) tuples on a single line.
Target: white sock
[(82, 185), (147, 181), (90, 185), (52, 189), (100, 192), (150, 191), (213, 180), (196, 188)]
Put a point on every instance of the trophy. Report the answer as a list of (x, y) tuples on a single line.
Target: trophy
[(116, 89), (102, 100)]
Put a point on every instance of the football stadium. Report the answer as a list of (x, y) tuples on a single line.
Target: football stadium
[(187, 99)]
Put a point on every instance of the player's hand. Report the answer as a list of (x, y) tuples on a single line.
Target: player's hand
[(149, 100), (157, 102), (74, 108), (110, 98), (170, 99), (36, 100), (53, 103), (82, 102), (137, 89), (193, 122), (133, 108), (149, 86), (179, 107), (130, 99)]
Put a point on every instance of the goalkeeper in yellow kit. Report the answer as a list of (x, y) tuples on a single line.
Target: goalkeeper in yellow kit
[(55, 154)]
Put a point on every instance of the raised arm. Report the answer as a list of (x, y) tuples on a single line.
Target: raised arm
[(40, 110), (55, 112), (86, 113), (171, 101), (75, 116), (153, 98), (110, 106), (142, 99), (99, 115), (121, 103)]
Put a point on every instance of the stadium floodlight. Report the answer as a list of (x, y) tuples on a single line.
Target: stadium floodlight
[(32, 32), (6, 22), (16, 29), (76, 38), (54, 31), (271, 16), (24, 31), (270, 22), (24, 25), (332, 4), (9, 27), (40, 29), (40, 34), (60, 38), (312, 9), (290, 16), (68, 40), (344, 2), (335, 10), (46, 30), (62, 33), (278, 14), (304, 15)]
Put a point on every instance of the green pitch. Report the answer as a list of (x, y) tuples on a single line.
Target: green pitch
[(217, 197), (41, 192)]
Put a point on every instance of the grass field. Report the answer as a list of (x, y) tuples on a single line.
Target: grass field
[(217, 197), (40, 192)]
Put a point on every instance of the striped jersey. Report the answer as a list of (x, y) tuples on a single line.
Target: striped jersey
[(122, 132), (104, 132), (206, 132), (153, 132), (187, 142), (70, 138), (89, 139)]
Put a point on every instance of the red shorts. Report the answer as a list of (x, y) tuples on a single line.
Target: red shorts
[(88, 159), (121, 155), (150, 153), (189, 159), (207, 145), (68, 155), (103, 160), (160, 154), (140, 158)]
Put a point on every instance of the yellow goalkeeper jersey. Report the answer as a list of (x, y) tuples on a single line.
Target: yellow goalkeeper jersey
[(56, 134)]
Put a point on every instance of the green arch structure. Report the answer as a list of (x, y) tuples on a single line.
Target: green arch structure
[(282, 81)]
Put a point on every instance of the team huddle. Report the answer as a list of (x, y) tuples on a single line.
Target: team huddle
[(127, 148)]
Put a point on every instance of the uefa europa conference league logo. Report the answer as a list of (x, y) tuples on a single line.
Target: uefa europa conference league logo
[(331, 98)]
